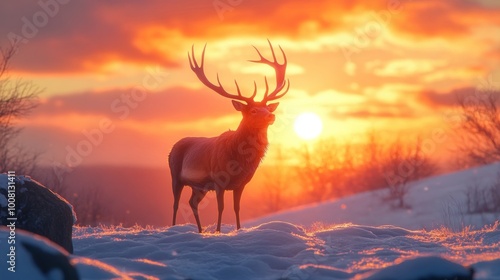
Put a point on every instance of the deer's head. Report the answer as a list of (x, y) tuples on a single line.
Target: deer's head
[(256, 114)]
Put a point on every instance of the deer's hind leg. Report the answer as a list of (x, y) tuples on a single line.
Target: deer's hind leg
[(177, 188), (196, 196)]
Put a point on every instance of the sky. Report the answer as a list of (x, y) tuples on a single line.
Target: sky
[(117, 88)]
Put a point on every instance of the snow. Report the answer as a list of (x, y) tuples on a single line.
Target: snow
[(272, 251), (24, 264), (434, 202), (421, 268), (22, 179), (313, 242)]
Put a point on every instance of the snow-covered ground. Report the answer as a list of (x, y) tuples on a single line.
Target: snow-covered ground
[(274, 250), (313, 242), (433, 203), (279, 250)]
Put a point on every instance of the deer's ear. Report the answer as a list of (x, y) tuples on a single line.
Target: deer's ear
[(272, 107), (238, 105)]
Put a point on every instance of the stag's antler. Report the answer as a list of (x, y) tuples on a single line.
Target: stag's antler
[(279, 69)]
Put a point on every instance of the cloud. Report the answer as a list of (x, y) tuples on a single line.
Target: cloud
[(350, 68), (174, 104), (444, 19), (371, 114), (83, 35), (291, 69), (407, 67), (435, 99), (122, 146), (79, 37), (374, 110)]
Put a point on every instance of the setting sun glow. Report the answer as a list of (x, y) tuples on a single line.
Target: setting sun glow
[(308, 126)]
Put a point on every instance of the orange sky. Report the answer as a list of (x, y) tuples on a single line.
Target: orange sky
[(122, 69)]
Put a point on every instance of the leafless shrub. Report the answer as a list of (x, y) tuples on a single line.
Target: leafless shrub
[(483, 199), (403, 164), (475, 207), (88, 202), (277, 183), (495, 195), (368, 173), (454, 214), (477, 199), (329, 169), (89, 206), (323, 169)]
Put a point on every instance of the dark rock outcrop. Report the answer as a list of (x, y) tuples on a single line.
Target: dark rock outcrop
[(37, 210)]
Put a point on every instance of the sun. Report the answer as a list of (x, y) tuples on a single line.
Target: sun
[(308, 125)]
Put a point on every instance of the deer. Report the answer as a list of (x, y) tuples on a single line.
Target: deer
[(226, 162)]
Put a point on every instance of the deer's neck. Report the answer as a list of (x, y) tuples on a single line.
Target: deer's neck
[(249, 137)]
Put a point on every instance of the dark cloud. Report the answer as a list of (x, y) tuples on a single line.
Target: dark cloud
[(443, 19), (77, 38), (450, 98), (174, 104), (442, 99), (82, 35), (368, 114)]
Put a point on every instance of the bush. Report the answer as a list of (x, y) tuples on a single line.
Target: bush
[(482, 199), (330, 169)]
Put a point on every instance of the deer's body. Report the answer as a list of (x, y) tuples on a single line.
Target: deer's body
[(228, 161)]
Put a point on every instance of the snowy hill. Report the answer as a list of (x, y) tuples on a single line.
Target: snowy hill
[(331, 249), (434, 202)]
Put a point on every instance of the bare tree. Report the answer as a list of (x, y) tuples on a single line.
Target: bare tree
[(328, 169), (324, 168), (483, 198), (403, 164), (89, 206), (368, 174), (17, 98), (88, 202), (314, 171), (277, 182), (479, 131)]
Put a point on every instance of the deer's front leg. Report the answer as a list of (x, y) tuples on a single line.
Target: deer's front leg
[(237, 197), (220, 205)]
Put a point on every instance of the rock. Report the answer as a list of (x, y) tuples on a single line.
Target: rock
[(37, 210)]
